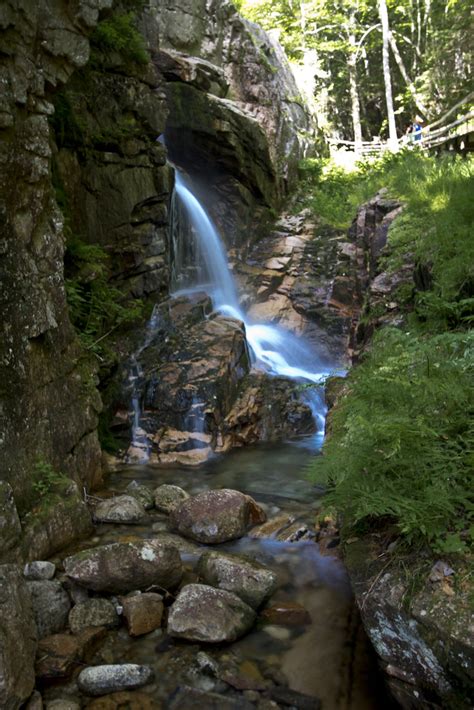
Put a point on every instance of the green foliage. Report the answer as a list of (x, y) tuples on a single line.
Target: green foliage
[(46, 480), (97, 308), (118, 34), (433, 40), (437, 220), (402, 439)]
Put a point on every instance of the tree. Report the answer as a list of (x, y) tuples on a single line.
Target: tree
[(429, 41), (392, 127)]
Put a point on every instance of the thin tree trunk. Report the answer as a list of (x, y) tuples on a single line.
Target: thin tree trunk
[(392, 128), (352, 68), (411, 86)]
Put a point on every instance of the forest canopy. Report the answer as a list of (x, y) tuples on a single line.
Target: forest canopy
[(352, 47)]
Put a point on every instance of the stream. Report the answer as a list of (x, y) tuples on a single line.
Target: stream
[(329, 657)]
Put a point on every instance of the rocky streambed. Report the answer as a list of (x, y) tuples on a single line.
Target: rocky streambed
[(192, 592)]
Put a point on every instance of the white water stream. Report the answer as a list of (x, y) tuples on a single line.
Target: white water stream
[(274, 349)]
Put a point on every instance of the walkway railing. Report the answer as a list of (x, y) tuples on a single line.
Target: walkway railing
[(433, 135)]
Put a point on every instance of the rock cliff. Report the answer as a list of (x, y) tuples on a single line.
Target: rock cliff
[(48, 411), (81, 165)]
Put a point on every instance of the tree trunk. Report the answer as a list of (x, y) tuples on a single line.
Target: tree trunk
[(410, 85), (392, 129), (351, 65)]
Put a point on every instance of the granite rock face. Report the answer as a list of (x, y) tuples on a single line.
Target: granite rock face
[(202, 398), (46, 410), (239, 55)]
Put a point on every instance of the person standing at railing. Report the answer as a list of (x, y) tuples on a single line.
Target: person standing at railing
[(417, 129)]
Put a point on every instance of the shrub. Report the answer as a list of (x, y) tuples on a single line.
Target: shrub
[(402, 439), (118, 34), (97, 308)]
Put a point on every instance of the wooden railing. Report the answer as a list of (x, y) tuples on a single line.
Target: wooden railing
[(433, 136)]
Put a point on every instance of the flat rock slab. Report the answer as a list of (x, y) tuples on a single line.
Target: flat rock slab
[(286, 697), (100, 680), (124, 567), (121, 509), (252, 582), (125, 700), (202, 613), (216, 516), (186, 698), (60, 654)]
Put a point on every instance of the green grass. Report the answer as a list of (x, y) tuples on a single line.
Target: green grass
[(401, 445)]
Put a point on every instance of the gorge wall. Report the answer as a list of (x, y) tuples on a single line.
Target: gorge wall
[(81, 165)]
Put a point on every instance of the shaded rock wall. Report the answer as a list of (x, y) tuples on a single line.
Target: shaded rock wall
[(250, 127), (47, 408)]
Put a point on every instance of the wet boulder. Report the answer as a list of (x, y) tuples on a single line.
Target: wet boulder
[(216, 516), (203, 613), (39, 569), (100, 680), (141, 493), (93, 612), (51, 605), (252, 582), (121, 509), (123, 567), (142, 613), (168, 497)]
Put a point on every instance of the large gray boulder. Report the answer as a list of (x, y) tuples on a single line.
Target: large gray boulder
[(100, 680), (51, 605), (216, 516), (120, 509), (202, 613), (252, 582), (123, 567), (17, 639)]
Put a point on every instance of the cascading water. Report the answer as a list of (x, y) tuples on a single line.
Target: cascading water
[(139, 451), (273, 349)]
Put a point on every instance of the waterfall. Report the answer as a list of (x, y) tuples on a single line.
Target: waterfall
[(273, 349), (139, 450), (212, 270)]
